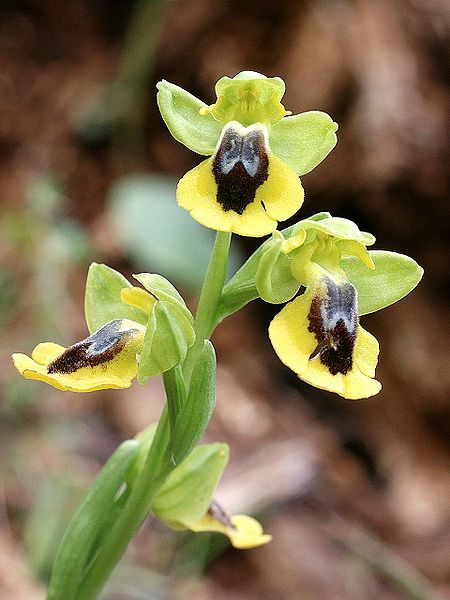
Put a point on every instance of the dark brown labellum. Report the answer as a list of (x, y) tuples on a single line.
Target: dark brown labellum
[(101, 347), (240, 166), (333, 318)]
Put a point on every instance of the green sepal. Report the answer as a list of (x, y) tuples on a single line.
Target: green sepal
[(82, 536), (169, 334), (102, 302), (318, 217), (249, 98), (196, 412), (303, 141), (162, 289), (338, 227), (394, 276), (274, 280), (181, 113), (186, 495)]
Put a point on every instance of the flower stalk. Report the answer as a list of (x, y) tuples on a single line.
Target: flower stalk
[(209, 299)]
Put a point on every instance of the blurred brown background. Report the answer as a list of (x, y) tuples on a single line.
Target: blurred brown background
[(356, 494)]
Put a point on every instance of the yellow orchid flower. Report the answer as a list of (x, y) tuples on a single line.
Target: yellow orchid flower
[(243, 531), (318, 336), (106, 359), (243, 187)]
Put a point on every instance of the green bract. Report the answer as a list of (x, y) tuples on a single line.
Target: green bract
[(83, 535), (186, 495), (162, 289), (102, 302), (301, 141), (242, 289), (170, 325), (169, 335), (273, 279), (195, 413)]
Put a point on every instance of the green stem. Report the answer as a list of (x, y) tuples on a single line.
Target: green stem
[(176, 392), (209, 299), (158, 463), (155, 471)]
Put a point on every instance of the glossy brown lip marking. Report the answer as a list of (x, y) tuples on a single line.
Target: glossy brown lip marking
[(217, 512), (333, 319), (240, 166), (101, 347)]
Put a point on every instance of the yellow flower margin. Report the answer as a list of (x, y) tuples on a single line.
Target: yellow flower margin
[(117, 371), (278, 198), (294, 345), (243, 531), (246, 532)]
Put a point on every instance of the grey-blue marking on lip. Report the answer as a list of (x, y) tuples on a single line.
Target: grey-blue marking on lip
[(99, 348), (333, 318), (240, 166)]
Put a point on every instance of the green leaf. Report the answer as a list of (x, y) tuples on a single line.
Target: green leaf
[(86, 526), (303, 141), (196, 412), (102, 302), (181, 113), (395, 275), (186, 495), (169, 334)]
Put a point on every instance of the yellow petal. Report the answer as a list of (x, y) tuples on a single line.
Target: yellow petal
[(294, 345), (289, 334), (282, 193), (366, 352), (197, 193), (46, 352), (245, 532), (248, 532), (354, 385), (354, 248), (243, 188), (139, 298), (116, 358)]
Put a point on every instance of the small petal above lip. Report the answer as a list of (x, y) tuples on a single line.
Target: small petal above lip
[(107, 359)]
